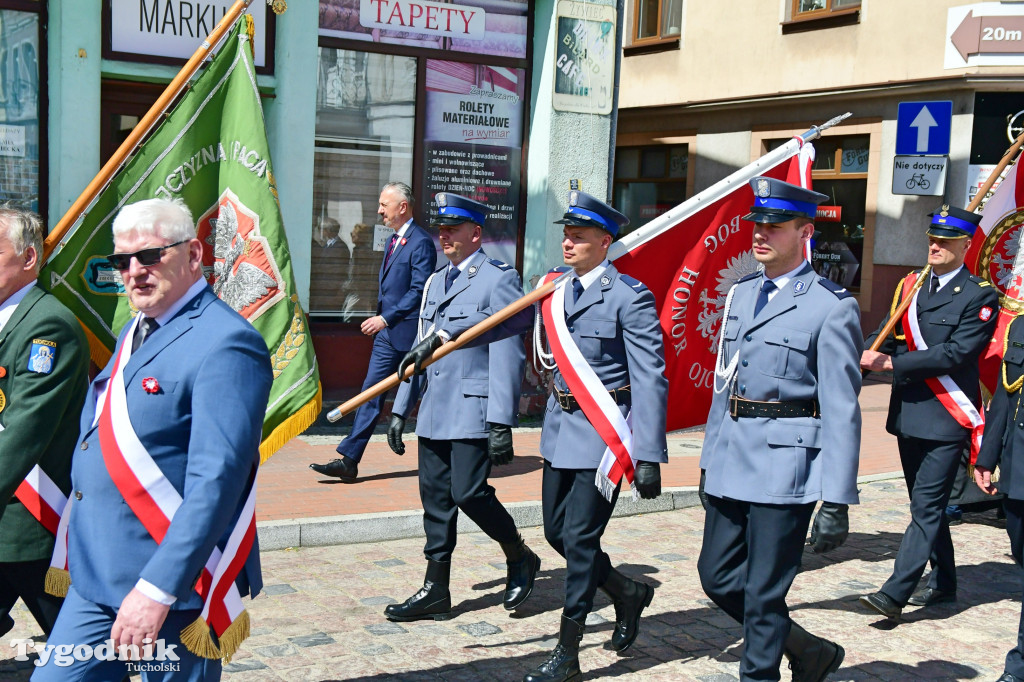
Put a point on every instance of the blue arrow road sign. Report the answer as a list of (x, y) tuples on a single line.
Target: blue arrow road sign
[(924, 127)]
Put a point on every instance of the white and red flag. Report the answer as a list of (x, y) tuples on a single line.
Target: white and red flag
[(689, 258), (995, 255)]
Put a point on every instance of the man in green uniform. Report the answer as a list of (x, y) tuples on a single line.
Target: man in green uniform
[(44, 367)]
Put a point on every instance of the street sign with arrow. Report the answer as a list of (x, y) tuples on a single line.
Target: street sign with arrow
[(985, 34), (924, 127)]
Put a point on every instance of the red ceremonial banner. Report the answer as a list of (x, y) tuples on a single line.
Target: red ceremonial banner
[(690, 267), (993, 256)]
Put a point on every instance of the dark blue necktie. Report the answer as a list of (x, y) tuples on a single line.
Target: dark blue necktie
[(577, 289), (767, 287), (147, 325), (450, 278)]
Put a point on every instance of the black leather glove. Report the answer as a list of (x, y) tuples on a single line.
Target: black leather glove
[(499, 444), (419, 354), (395, 429), (701, 495), (647, 479), (830, 528)]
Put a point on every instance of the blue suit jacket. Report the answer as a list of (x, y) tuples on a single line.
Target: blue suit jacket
[(401, 285), (466, 389), (615, 325), (202, 428), (804, 344)]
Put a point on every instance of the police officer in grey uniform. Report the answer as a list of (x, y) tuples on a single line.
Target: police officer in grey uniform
[(956, 315), (783, 432), (1004, 446), (613, 320), (469, 404)]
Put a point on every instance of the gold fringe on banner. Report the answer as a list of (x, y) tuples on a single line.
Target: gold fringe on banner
[(233, 637), (98, 350), (57, 581), (250, 30), (301, 420), (197, 638)]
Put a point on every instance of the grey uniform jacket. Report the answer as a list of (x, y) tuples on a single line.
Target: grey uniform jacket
[(470, 387), (615, 325), (805, 344)]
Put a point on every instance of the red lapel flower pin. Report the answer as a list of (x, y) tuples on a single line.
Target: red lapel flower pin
[(150, 385)]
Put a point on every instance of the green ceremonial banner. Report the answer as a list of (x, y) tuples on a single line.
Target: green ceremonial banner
[(211, 152)]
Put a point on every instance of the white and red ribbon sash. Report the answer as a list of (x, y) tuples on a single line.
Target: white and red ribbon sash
[(154, 500), (42, 498), (945, 389), (593, 398)]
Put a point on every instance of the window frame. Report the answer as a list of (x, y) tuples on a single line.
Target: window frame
[(646, 140), (661, 38), (827, 10)]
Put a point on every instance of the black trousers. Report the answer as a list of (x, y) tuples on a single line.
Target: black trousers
[(453, 476), (24, 579), (1015, 529), (575, 516), (750, 556), (929, 467)]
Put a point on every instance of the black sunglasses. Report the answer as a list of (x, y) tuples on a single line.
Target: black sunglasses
[(122, 261)]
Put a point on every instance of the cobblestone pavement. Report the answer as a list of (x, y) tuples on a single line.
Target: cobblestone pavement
[(320, 617)]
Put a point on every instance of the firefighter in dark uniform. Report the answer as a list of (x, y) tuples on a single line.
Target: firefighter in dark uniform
[(783, 433), (950, 324)]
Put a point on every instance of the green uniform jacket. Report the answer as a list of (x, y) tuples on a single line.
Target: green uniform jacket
[(40, 414)]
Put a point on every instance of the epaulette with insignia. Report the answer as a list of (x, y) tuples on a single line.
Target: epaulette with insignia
[(749, 277), (840, 292), (500, 264), (632, 282), (561, 268)]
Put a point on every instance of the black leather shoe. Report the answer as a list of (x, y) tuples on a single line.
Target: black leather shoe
[(630, 598), (523, 566), (563, 665), (883, 604), (928, 596), (344, 468), (433, 600), (1007, 677), (812, 659)]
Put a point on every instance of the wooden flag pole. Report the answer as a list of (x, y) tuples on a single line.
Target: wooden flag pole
[(148, 122), (973, 206), (384, 385)]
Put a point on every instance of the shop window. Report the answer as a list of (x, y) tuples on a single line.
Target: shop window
[(655, 20), (365, 115), (649, 181), (840, 171), (21, 158)]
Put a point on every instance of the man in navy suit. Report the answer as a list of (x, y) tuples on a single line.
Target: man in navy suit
[(409, 258), (470, 404), (187, 400)]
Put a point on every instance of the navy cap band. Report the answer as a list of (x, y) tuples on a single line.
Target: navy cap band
[(471, 216), (609, 225), (802, 207), (954, 223)]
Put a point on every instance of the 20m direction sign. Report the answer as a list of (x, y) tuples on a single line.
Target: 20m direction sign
[(985, 34)]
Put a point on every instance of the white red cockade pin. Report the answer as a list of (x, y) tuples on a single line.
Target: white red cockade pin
[(150, 385)]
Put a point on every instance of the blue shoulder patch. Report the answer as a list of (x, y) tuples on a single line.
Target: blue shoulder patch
[(840, 292), (632, 282), (749, 277), (500, 264), (560, 269)]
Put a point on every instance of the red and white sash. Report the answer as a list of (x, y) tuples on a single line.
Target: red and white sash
[(945, 389), (42, 498), (593, 398), (154, 501)]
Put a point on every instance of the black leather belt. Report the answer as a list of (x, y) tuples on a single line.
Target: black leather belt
[(738, 407), (567, 401)]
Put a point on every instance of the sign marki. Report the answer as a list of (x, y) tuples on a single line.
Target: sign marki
[(160, 30), (422, 16)]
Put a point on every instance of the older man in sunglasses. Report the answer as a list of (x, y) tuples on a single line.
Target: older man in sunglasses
[(169, 444)]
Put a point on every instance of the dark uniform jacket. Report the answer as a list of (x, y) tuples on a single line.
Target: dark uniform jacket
[(957, 324), (39, 414), (1003, 444)]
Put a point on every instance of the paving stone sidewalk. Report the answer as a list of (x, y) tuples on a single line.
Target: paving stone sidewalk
[(320, 617)]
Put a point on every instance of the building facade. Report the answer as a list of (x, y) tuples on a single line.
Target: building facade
[(707, 87), (507, 101)]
